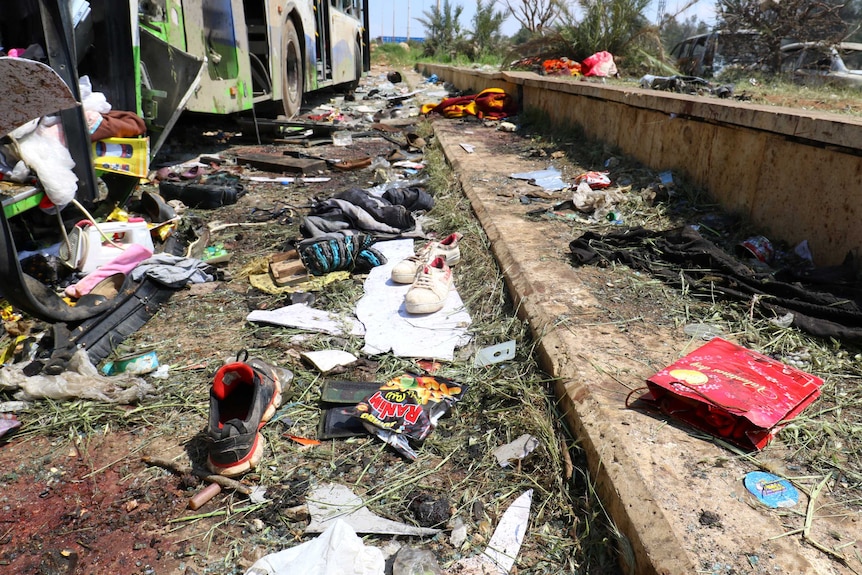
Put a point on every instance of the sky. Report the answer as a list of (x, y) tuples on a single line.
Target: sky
[(390, 17)]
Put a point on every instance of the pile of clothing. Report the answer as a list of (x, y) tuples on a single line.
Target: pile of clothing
[(339, 231)]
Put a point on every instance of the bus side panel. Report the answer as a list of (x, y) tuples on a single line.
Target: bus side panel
[(216, 30), (344, 33)]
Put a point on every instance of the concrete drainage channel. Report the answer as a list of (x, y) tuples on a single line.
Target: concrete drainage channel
[(659, 482)]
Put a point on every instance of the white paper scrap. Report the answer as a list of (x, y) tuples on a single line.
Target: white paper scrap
[(339, 550), (518, 449), (301, 316), (328, 359), (335, 502)]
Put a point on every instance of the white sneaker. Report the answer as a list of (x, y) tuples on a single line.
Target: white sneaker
[(405, 271), (430, 287)]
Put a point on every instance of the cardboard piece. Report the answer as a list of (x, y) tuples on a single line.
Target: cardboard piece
[(127, 156), (732, 392)]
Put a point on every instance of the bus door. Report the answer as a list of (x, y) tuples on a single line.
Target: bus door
[(217, 30), (260, 55), (344, 61), (323, 39)]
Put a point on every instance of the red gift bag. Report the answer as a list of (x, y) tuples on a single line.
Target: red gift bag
[(732, 392)]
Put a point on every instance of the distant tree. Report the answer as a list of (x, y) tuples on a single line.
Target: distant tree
[(443, 32), (851, 12), (611, 25), (781, 20), (521, 36), (673, 31), (534, 15), (486, 35)]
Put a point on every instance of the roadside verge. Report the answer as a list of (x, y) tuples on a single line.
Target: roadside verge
[(657, 481)]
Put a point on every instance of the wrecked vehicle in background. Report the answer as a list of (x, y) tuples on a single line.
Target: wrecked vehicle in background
[(709, 55), (817, 64)]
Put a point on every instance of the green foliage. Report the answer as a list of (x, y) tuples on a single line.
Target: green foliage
[(446, 41), (486, 36), (612, 25), (443, 33), (393, 54), (521, 36)]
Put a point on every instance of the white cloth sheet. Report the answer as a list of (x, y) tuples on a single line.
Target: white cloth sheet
[(388, 326)]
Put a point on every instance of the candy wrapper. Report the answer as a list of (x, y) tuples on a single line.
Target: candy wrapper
[(596, 180), (406, 409)]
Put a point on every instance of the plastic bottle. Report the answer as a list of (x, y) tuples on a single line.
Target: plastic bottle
[(615, 218)]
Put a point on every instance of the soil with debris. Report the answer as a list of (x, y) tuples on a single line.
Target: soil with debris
[(77, 496)]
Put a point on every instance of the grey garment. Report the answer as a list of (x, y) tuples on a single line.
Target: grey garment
[(363, 219), (315, 226), (173, 271)]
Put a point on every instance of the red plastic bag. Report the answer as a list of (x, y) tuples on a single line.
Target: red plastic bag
[(733, 392), (596, 180), (600, 64)]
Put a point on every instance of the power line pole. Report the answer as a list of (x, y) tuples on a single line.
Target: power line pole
[(408, 20)]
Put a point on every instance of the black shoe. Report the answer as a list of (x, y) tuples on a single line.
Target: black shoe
[(244, 396)]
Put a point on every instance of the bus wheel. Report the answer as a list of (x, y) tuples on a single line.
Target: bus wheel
[(292, 74)]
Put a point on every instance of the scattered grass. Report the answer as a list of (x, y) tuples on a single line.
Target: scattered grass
[(392, 54), (816, 443)]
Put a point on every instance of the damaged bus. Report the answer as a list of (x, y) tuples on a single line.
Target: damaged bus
[(158, 57), (153, 59), (252, 51)]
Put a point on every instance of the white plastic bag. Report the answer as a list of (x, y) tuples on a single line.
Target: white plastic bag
[(52, 163), (336, 551), (80, 380), (95, 101)]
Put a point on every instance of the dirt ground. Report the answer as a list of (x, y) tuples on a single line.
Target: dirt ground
[(76, 502), (77, 497)]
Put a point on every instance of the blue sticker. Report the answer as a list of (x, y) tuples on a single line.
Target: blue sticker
[(771, 490)]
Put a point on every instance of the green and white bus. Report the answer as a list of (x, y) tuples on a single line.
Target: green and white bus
[(157, 58), (252, 51)]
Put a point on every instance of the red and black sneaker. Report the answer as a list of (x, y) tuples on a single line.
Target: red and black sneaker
[(244, 396)]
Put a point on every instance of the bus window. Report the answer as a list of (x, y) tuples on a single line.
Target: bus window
[(220, 39)]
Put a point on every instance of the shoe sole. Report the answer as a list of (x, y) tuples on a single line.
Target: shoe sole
[(424, 307), (247, 463)]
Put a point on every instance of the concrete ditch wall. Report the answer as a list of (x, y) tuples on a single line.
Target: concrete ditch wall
[(796, 174)]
